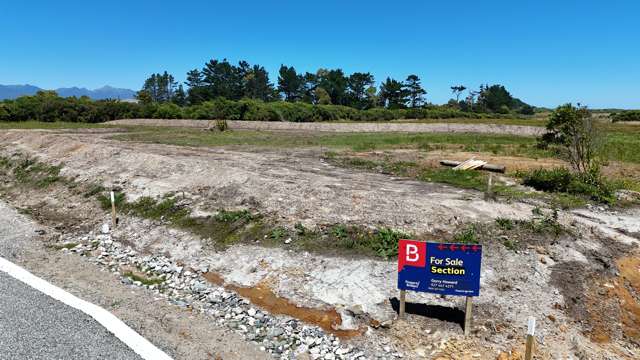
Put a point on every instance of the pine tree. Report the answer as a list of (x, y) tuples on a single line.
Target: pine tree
[(290, 83), (392, 94), (414, 91), (179, 97)]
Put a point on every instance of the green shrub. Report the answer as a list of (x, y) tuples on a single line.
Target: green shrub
[(630, 115), (168, 111), (561, 180), (47, 106), (549, 180)]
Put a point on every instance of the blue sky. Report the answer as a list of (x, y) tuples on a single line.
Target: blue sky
[(545, 52)]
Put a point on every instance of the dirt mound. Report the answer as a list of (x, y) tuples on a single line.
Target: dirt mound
[(298, 186)]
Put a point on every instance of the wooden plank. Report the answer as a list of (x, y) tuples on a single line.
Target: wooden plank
[(487, 167)]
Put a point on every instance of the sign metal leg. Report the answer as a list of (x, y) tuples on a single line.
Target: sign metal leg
[(402, 304), (467, 315)]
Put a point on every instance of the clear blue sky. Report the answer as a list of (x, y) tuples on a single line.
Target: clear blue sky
[(545, 52)]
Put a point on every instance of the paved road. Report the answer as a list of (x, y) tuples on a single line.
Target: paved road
[(35, 326)]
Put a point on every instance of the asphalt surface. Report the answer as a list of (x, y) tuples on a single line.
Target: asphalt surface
[(35, 326)]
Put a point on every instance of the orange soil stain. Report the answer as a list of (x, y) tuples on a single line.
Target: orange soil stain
[(628, 284), (262, 296)]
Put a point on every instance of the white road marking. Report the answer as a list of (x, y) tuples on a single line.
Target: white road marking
[(132, 339)]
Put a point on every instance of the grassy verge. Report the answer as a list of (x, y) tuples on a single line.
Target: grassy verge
[(229, 227)]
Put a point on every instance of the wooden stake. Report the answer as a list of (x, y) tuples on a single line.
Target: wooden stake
[(468, 315), (114, 219), (489, 194), (402, 304), (531, 339)]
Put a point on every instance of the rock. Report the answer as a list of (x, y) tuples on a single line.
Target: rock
[(275, 332), (251, 312), (105, 228)]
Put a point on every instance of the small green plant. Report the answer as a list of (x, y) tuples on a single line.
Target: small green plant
[(300, 229), (467, 236), (505, 223), (70, 245), (510, 244), (144, 280), (222, 125), (545, 223), (233, 216), (339, 231), (384, 242), (94, 190), (278, 233)]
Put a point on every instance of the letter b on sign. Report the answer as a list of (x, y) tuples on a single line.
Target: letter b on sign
[(412, 253)]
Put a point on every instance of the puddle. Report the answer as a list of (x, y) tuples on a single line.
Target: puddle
[(262, 296)]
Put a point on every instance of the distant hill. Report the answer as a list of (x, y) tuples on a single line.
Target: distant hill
[(105, 92)]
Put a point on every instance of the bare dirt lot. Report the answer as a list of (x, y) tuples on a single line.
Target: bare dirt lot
[(567, 280)]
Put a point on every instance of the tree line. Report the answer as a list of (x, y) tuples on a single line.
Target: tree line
[(222, 79), (47, 106)]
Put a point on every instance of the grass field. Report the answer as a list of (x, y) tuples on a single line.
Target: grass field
[(619, 145), (498, 144)]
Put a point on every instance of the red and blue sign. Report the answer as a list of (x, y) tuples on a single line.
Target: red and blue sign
[(439, 268)]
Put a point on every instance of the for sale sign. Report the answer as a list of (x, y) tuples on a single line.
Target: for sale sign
[(447, 269)]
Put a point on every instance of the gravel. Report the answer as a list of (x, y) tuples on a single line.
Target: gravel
[(185, 287)]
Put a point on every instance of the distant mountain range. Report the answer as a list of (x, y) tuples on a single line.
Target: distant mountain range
[(105, 92)]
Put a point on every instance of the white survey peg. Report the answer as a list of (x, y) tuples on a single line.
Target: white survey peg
[(114, 218), (531, 326), (531, 331)]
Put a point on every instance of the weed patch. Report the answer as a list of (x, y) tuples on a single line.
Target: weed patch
[(143, 279), (65, 246), (30, 172)]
